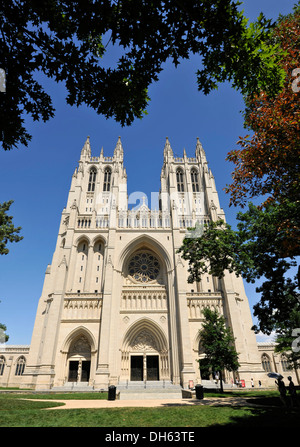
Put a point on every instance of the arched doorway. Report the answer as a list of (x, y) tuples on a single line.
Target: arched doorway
[(145, 353), (79, 360), (144, 357)]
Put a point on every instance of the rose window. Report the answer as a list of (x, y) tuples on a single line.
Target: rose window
[(143, 267)]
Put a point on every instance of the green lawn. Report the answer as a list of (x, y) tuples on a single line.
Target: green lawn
[(16, 412)]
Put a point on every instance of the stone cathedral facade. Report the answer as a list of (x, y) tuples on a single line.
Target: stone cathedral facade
[(116, 306)]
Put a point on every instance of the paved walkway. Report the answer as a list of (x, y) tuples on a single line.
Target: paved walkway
[(146, 403)]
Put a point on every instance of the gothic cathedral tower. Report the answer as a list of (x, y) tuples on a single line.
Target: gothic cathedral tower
[(116, 306)]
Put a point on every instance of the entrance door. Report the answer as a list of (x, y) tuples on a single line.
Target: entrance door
[(136, 368), (73, 370), (152, 367), (85, 372)]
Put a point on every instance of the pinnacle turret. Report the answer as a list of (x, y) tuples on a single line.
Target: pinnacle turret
[(86, 151), (118, 152), (168, 152)]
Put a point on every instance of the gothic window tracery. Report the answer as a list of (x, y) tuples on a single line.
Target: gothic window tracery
[(20, 366), (195, 182), (92, 180), (284, 363), (107, 179), (266, 364), (144, 267), (2, 364), (179, 179)]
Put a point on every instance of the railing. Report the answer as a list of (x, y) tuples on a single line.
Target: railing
[(196, 302), (137, 220), (82, 306), (148, 300)]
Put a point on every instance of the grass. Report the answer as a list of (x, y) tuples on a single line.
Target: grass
[(16, 412)]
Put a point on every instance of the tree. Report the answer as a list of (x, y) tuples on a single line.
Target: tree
[(261, 247), (8, 233), (3, 336), (266, 243), (217, 342), (268, 166), (67, 41), (286, 342), (268, 162)]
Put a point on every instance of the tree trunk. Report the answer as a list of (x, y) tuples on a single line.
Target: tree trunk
[(221, 382)]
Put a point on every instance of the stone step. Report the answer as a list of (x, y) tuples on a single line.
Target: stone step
[(148, 384), (149, 394), (142, 396), (74, 386), (148, 390)]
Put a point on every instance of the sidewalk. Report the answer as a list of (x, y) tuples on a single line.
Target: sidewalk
[(102, 403)]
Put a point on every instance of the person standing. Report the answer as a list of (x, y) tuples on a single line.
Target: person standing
[(292, 393), (282, 390)]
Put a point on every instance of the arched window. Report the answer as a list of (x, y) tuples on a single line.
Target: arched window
[(284, 363), (107, 178), (179, 178), (195, 183), (92, 180), (20, 366), (2, 365), (265, 361)]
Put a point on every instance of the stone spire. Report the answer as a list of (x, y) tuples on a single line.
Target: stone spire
[(118, 152), (86, 151), (200, 154), (168, 152)]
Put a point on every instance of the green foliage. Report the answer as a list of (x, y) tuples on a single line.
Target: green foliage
[(217, 342), (8, 233), (263, 246), (286, 332), (69, 41), (3, 336)]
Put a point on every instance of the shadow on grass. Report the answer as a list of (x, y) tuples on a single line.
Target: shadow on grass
[(254, 412), (266, 417)]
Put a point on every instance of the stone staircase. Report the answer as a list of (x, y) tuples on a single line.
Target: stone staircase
[(74, 386), (148, 390)]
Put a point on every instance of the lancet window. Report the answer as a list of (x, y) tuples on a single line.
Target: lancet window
[(107, 179), (195, 182), (179, 179), (92, 180), (20, 366), (2, 364)]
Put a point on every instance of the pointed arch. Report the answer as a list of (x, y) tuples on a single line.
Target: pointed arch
[(107, 179), (92, 179), (148, 242), (145, 352), (150, 330), (82, 239), (195, 179), (180, 179), (74, 335)]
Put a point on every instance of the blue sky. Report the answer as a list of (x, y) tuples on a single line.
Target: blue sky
[(38, 178)]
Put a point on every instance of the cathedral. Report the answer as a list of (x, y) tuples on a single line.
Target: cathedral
[(116, 306)]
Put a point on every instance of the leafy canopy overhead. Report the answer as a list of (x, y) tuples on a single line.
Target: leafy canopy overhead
[(67, 41), (267, 162), (266, 243)]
